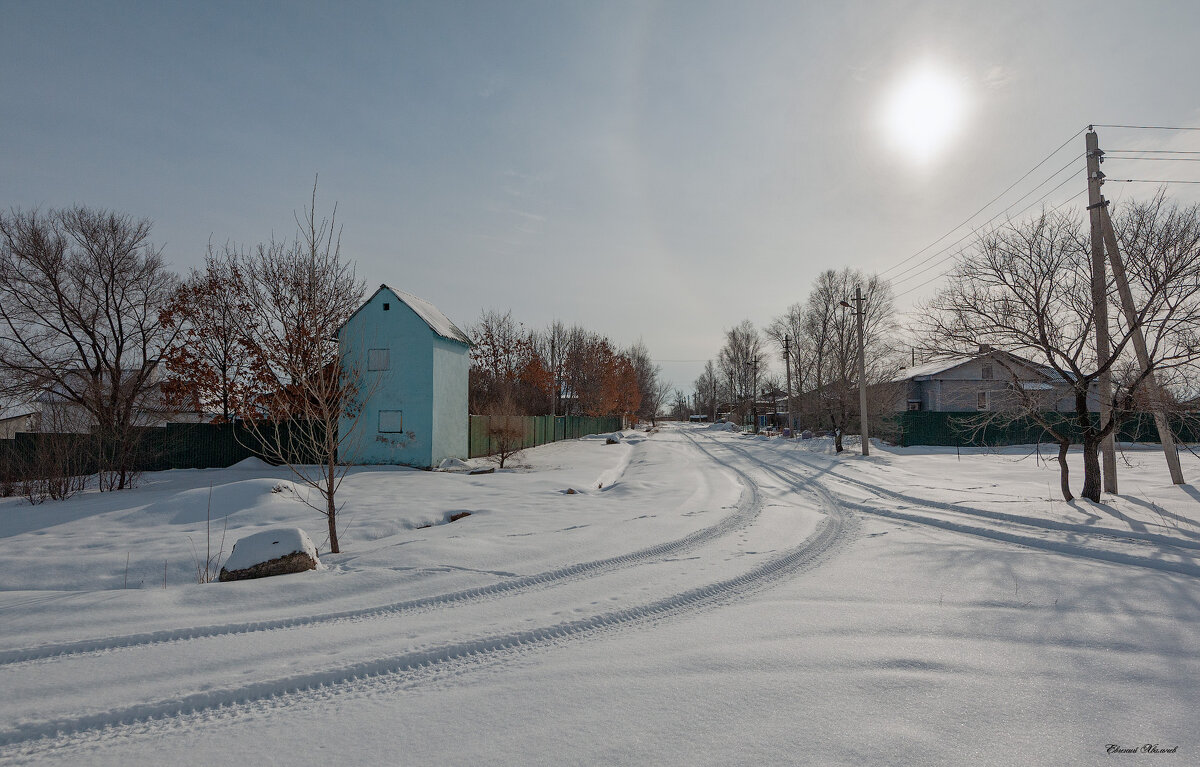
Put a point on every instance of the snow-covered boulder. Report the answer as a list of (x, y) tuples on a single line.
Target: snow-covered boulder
[(613, 439), (453, 464), (278, 551)]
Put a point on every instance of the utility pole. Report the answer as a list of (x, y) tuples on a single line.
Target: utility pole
[(1139, 344), (859, 314), (862, 371), (1100, 306), (787, 364)]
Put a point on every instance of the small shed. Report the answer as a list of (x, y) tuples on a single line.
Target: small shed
[(413, 365)]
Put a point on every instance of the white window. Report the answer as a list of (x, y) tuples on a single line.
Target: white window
[(378, 359), (982, 403), (391, 421)]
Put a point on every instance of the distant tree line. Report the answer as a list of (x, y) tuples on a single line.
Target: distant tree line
[(558, 370)]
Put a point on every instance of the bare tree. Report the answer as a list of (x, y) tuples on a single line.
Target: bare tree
[(303, 292), (58, 465), (707, 386), (654, 392), (801, 350), (831, 330), (505, 429), (740, 361), (1025, 287), (80, 296)]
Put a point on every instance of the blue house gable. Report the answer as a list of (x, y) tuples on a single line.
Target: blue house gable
[(413, 365)]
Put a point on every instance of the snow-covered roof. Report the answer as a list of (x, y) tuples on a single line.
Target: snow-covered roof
[(930, 368), (439, 323), (15, 409), (949, 363)]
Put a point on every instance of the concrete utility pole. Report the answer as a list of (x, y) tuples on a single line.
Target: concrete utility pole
[(1100, 306), (787, 363), (862, 371), (1139, 344), (860, 315)]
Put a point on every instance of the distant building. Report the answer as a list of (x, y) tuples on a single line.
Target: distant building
[(980, 382), (414, 364), (15, 419), (55, 411)]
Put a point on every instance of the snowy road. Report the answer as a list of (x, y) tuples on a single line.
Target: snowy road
[(703, 598)]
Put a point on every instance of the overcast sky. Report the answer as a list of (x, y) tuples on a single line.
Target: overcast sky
[(650, 170)]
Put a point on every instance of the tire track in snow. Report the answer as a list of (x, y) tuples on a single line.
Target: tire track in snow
[(746, 510), (38, 739), (830, 503), (1059, 547)]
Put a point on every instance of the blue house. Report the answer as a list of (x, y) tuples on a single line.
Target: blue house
[(412, 364)]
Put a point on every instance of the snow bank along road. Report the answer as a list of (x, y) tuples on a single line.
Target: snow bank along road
[(691, 560)]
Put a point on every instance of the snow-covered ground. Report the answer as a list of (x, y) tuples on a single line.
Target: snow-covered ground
[(702, 598)]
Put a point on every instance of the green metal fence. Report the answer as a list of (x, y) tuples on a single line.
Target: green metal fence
[(174, 446), (968, 429), (540, 430), (214, 446)]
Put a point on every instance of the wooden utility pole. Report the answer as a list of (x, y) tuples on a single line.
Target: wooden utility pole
[(787, 363), (1139, 344), (1100, 307), (862, 371)]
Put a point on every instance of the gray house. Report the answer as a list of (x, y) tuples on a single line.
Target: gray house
[(988, 380)]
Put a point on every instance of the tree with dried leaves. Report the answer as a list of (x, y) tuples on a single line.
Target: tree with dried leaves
[(506, 365), (302, 292), (212, 366), (81, 290)]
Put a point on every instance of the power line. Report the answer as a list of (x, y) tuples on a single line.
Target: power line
[(1155, 151), (1110, 156), (1116, 154), (1144, 127), (1050, 178), (1148, 181), (940, 275), (985, 207)]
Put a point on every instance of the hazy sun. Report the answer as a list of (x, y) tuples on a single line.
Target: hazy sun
[(923, 113)]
